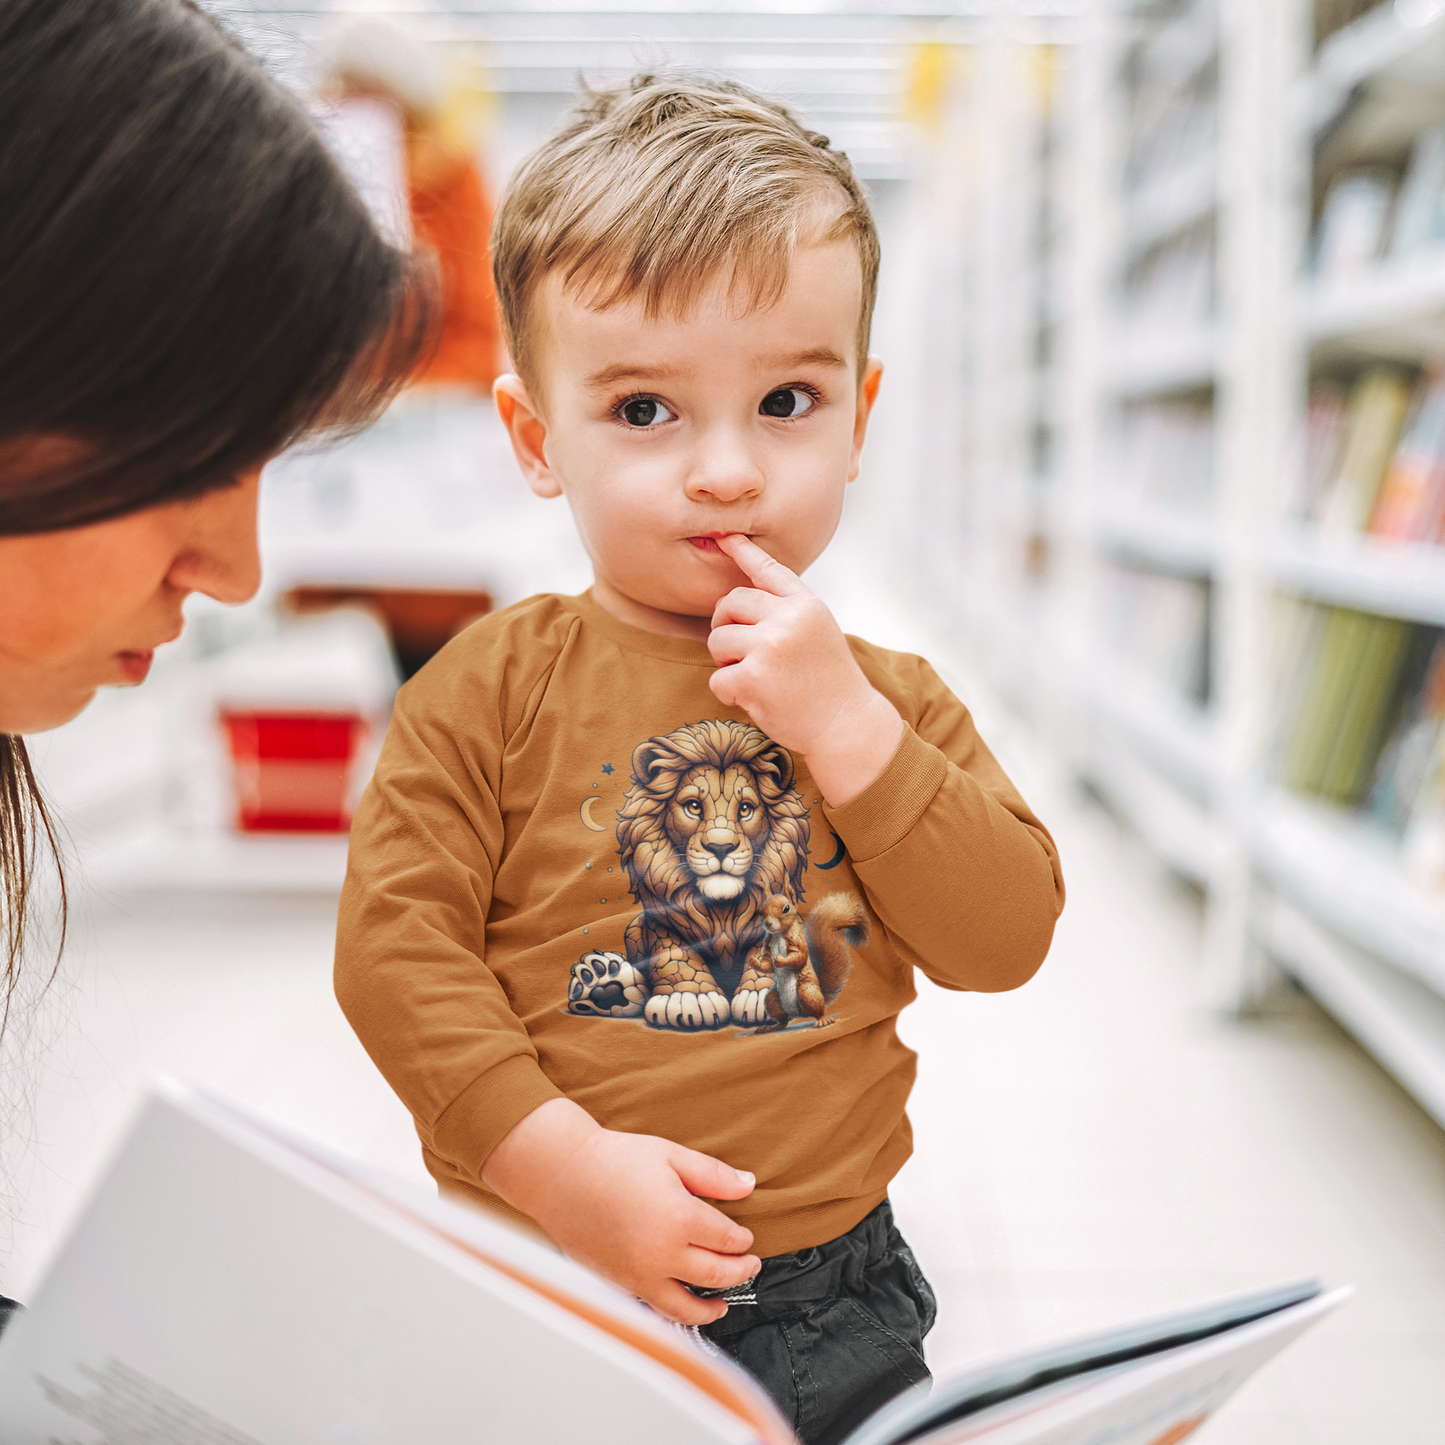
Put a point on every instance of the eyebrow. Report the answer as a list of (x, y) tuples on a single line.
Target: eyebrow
[(813, 356), (609, 376)]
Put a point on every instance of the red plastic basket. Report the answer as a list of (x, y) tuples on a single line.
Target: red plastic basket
[(292, 771)]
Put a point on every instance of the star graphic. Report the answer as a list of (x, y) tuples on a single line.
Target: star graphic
[(608, 769)]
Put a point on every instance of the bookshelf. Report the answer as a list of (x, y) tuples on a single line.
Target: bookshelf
[(1198, 142), (1392, 579), (1398, 312), (1336, 906)]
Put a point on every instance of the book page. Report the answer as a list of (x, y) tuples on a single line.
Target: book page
[(1157, 1400), (219, 1289)]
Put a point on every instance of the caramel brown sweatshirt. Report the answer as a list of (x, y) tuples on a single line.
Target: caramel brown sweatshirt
[(557, 886)]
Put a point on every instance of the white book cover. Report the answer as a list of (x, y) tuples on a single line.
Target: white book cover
[(227, 1284)]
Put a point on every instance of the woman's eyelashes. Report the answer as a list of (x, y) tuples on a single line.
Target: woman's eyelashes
[(642, 412)]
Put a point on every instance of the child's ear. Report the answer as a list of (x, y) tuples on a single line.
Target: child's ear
[(867, 395), (528, 432)]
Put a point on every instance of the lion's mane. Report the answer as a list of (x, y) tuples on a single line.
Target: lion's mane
[(662, 883)]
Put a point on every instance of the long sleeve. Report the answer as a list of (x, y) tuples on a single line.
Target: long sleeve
[(411, 973), (957, 869)]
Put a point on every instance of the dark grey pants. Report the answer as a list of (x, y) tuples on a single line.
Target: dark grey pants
[(832, 1332)]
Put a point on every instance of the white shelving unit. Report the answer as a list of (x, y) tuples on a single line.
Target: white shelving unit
[(1393, 579), (1314, 891), (1290, 883), (1336, 909)]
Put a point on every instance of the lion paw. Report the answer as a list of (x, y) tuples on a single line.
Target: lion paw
[(687, 1010), (606, 985), (750, 1006)]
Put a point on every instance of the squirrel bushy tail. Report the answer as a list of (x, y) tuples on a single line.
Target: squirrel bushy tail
[(836, 925)]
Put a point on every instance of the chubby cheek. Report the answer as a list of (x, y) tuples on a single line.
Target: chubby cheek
[(619, 503), (813, 503)]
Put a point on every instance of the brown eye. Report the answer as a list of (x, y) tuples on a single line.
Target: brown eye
[(692, 806), (644, 411), (786, 402), (745, 810)]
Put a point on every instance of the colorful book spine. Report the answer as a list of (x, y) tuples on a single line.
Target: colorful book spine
[(1377, 410), (1348, 706), (1408, 507)]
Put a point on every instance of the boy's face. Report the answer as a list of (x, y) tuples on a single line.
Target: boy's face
[(666, 433)]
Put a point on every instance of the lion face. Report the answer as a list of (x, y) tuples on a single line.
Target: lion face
[(711, 826), (717, 821)]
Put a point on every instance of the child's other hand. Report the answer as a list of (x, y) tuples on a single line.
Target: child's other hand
[(783, 658), (630, 1206)]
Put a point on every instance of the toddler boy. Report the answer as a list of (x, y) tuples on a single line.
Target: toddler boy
[(637, 892)]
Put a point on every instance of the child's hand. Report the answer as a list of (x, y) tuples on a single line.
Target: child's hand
[(628, 1206), (783, 658)]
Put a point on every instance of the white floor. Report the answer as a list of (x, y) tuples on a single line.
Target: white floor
[(1089, 1149)]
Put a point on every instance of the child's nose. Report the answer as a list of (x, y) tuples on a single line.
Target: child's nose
[(724, 472)]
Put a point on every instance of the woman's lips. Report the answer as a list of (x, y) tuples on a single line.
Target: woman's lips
[(135, 665)]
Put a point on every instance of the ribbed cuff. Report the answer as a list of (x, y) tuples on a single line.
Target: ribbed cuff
[(484, 1113), (886, 810)]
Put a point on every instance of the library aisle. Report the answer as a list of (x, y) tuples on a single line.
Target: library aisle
[(1091, 1148)]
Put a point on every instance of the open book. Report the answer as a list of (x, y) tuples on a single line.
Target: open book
[(229, 1285)]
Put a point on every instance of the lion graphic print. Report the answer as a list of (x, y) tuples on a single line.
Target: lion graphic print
[(713, 838)]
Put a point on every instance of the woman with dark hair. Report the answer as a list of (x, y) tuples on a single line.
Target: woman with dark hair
[(188, 285)]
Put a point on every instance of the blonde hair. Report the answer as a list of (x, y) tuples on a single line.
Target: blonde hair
[(656, 187)]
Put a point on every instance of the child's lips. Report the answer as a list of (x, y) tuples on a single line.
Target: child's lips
[(708, 542)]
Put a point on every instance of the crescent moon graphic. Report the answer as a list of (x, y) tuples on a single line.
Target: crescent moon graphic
[(833, 862), (585, 811)]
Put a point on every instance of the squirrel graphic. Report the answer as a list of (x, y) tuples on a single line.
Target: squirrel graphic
[(808, 959)]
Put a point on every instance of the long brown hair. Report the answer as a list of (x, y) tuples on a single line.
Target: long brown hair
[(23, 819), (188, 284)]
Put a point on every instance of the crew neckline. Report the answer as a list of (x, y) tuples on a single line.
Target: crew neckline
[(685, 650)]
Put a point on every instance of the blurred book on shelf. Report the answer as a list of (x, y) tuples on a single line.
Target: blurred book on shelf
[(1365, 443), (1374, 456), (1157, 626), (1347, 706), (1325, 418), (1410, 506), (1408, 792), (1374, 214), (1362, 717), (1353, 225), (1420, 211)]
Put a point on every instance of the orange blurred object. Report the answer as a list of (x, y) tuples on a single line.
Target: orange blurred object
[(451, 215)]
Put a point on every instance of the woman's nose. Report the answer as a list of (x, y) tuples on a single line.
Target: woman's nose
[(219, 553)]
